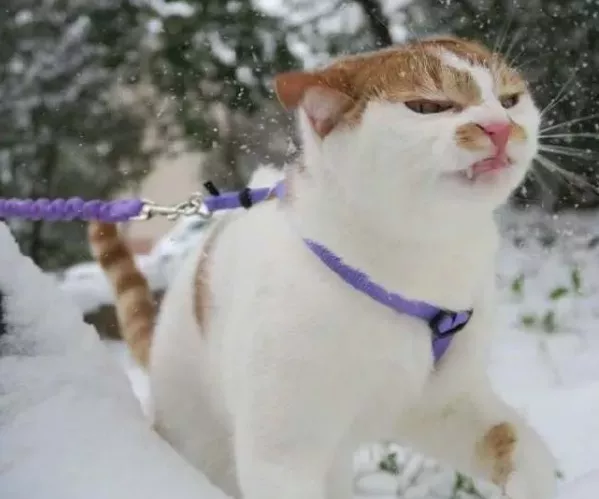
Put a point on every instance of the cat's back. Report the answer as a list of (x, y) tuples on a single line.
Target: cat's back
[(257, 256), (245, 260), (210, 299)]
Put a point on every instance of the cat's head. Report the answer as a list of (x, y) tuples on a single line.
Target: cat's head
[(442, 125)]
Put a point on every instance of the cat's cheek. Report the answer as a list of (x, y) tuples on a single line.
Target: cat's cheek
[(523, 153), (528, 117)]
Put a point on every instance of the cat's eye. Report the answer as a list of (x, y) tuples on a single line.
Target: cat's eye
[(423, 106), (509, 101)]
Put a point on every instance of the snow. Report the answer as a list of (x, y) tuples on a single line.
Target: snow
[(70, 427), (170, 9), (544, 360), (89, 289), (583, 487)]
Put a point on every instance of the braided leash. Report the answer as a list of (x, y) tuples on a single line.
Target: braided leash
[(133, 209), (71, 209)]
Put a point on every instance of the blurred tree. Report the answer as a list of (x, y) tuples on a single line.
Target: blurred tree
[(378, 22), (63, 130), (556, 45), (324, 28), (213, 59)]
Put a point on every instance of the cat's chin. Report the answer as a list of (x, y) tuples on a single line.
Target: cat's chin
[(485, 183)]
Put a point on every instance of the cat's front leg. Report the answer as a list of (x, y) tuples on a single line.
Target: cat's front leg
[(286, 460), (261, 477), (513, 454), (288, 430), (479, 434), (518, 460)]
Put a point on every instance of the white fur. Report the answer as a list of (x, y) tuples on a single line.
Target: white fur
[(296, 368)]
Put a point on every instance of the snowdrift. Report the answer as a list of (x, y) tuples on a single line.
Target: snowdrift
[(70, 426)]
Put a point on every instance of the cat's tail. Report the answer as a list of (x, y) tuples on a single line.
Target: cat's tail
[(135, 305)]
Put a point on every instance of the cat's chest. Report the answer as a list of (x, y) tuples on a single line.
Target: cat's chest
[(443, 277), (336, 323), (321, 302)]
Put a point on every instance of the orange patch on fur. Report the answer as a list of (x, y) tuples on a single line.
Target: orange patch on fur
[(471, 137), (202, 290), (518, 133), (498, 445), (135, 304), (202, 294), (508, 81), (339, 93)]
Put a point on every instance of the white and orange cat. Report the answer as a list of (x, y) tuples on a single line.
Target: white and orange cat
[(267, 370)]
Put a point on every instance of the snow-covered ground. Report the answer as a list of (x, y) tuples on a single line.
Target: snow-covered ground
[(70, 427), (546, 356)]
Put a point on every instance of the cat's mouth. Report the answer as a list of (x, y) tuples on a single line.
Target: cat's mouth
[(487, 166)]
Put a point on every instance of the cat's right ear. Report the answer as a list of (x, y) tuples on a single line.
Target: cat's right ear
[(323, 104)]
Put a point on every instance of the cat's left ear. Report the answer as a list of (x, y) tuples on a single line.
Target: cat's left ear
[(320, 95)]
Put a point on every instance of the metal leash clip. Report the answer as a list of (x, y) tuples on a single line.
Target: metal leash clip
[(194, 206)]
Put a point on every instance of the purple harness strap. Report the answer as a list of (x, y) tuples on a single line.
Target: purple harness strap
[(244, 198), (443, 323)]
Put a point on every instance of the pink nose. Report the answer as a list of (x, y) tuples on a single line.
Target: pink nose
[(499, 133)]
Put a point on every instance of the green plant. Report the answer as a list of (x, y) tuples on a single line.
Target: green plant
[(549, 322), (528, 320), (518, 285), (576, 279), (558, 293), (466, 485), (389, 464)]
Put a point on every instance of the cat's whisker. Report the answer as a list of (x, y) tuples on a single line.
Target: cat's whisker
[(500, 40), (570, 122), (553, 167), (581, 135), (419, 44), (573, 152), (520, 67), (535, 59), (537, 175), (561, 94), (549, 182), (514, 62), (515, 40)]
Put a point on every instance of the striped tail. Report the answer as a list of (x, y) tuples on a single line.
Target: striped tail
[(135, 305)]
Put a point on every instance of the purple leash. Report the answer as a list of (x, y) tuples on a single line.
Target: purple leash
[(71, 209), (444, 324)]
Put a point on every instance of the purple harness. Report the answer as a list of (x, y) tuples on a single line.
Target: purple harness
[(444, 324)]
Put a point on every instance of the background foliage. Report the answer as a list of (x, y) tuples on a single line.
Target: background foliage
[(82, 85)]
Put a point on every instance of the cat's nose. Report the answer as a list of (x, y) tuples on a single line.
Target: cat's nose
[(499, 133)]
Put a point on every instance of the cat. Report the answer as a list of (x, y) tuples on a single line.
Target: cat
[(267, 370)]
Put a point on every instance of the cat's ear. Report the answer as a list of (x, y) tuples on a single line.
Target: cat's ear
[(321, 97)]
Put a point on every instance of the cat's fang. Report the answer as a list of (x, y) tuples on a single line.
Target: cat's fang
[(470, 173)]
